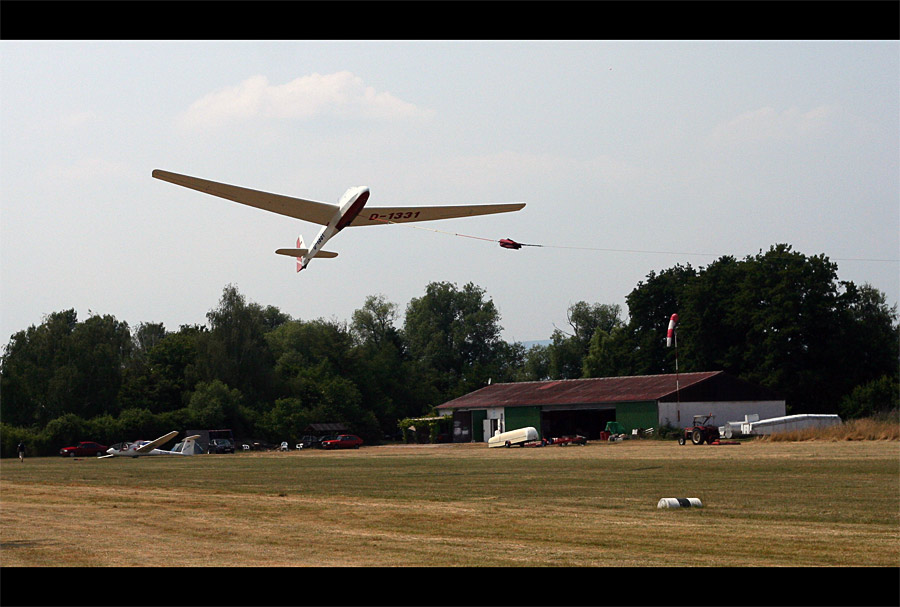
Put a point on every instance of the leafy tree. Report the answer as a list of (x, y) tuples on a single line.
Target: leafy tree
[(650, 305), (63, 431), (373, 324), (867, 337), (215, 405), (390, 382), (296, 345), (284, 421), (136, 424), (535, 364), (234, 350), (567, 352), (63, 366), (99, 347), (146, 337), (456, 334), (609, 354), (780, 319), (34, 371)]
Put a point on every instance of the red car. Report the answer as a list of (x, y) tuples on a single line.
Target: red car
[(342, 441), (84, 448)]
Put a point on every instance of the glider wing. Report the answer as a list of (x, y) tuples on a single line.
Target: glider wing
[(298, 208), (155, 443), (302, 252), (371, 216)]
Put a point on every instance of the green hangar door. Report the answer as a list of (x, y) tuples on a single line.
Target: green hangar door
[(637, 414), (587, 422), (522, 417)]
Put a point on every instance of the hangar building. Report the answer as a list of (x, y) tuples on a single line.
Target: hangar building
[(583, 406)]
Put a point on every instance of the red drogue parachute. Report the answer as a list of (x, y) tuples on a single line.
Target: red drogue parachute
[(670, 335), (509, 243)]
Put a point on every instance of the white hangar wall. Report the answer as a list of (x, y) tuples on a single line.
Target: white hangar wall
[(724, 411)]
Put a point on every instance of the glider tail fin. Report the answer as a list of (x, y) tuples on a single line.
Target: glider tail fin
[(297, 253), (301, 251), (300, 245)]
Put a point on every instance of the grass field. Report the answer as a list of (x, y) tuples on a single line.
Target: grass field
[(772, 504)]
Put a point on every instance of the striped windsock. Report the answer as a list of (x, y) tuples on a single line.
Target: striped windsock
[(670, 335)]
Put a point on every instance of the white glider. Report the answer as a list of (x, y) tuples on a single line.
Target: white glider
[(334, 218), (142, 447)]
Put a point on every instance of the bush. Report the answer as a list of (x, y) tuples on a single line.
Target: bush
[(63, 431), (866, 400), (10, 437)]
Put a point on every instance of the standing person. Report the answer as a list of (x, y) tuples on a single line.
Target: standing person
[(22, 451)]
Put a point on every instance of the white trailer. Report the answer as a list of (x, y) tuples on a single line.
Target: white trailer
[(513, 437), (790, 423)]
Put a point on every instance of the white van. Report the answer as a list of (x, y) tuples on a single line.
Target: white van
[(513, 437)]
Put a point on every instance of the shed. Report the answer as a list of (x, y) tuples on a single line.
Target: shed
[(326, 428), (583, 406)]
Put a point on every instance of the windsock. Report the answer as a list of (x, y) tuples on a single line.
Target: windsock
[(670, 335)]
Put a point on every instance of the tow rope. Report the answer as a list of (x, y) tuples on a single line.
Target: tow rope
[(509, 243)]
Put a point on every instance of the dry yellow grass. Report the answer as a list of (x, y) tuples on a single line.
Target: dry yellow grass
[(851, 430), (801, 504)]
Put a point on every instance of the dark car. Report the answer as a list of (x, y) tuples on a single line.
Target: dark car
[(342, 441), (220, 445), (83, 449), (309, 442)]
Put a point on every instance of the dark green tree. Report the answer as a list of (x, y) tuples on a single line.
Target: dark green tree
[(650, 305), (535, 364), (161, 372), (455, 334), (234, 350), (880, 396), (214, 405), (567, 351), (609, 355), (390, 382), (780, 319), (37, 371), (64, 366)]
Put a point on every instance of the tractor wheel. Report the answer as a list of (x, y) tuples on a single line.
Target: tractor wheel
[(697, 437), (681, 440)]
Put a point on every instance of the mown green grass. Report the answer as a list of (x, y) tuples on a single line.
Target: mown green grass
[(773, 504)]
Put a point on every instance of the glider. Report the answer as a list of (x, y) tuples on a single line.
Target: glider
[(349, 211), (142, 447)]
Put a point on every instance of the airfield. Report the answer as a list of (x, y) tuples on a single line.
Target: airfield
[(764, 504)]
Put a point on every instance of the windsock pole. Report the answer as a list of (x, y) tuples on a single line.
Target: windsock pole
[(672, 338)]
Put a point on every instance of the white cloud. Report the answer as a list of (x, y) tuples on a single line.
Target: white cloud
[(767, 123), (340, 94)]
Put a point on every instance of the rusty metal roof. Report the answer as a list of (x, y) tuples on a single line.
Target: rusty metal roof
[(579, 391)]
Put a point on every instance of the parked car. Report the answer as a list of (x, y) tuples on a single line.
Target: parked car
[(83, 449), (342, 441), (220, 445), (309, 442)]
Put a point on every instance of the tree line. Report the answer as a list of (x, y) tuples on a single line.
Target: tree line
[(779, 319)]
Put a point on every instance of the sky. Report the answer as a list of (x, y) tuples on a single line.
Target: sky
[(631, 157)]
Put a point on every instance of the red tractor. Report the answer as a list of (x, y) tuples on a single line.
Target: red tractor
[(700, 432)]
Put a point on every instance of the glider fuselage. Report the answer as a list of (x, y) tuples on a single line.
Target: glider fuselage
[(131, 450), (143, 447), (349, 206)]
